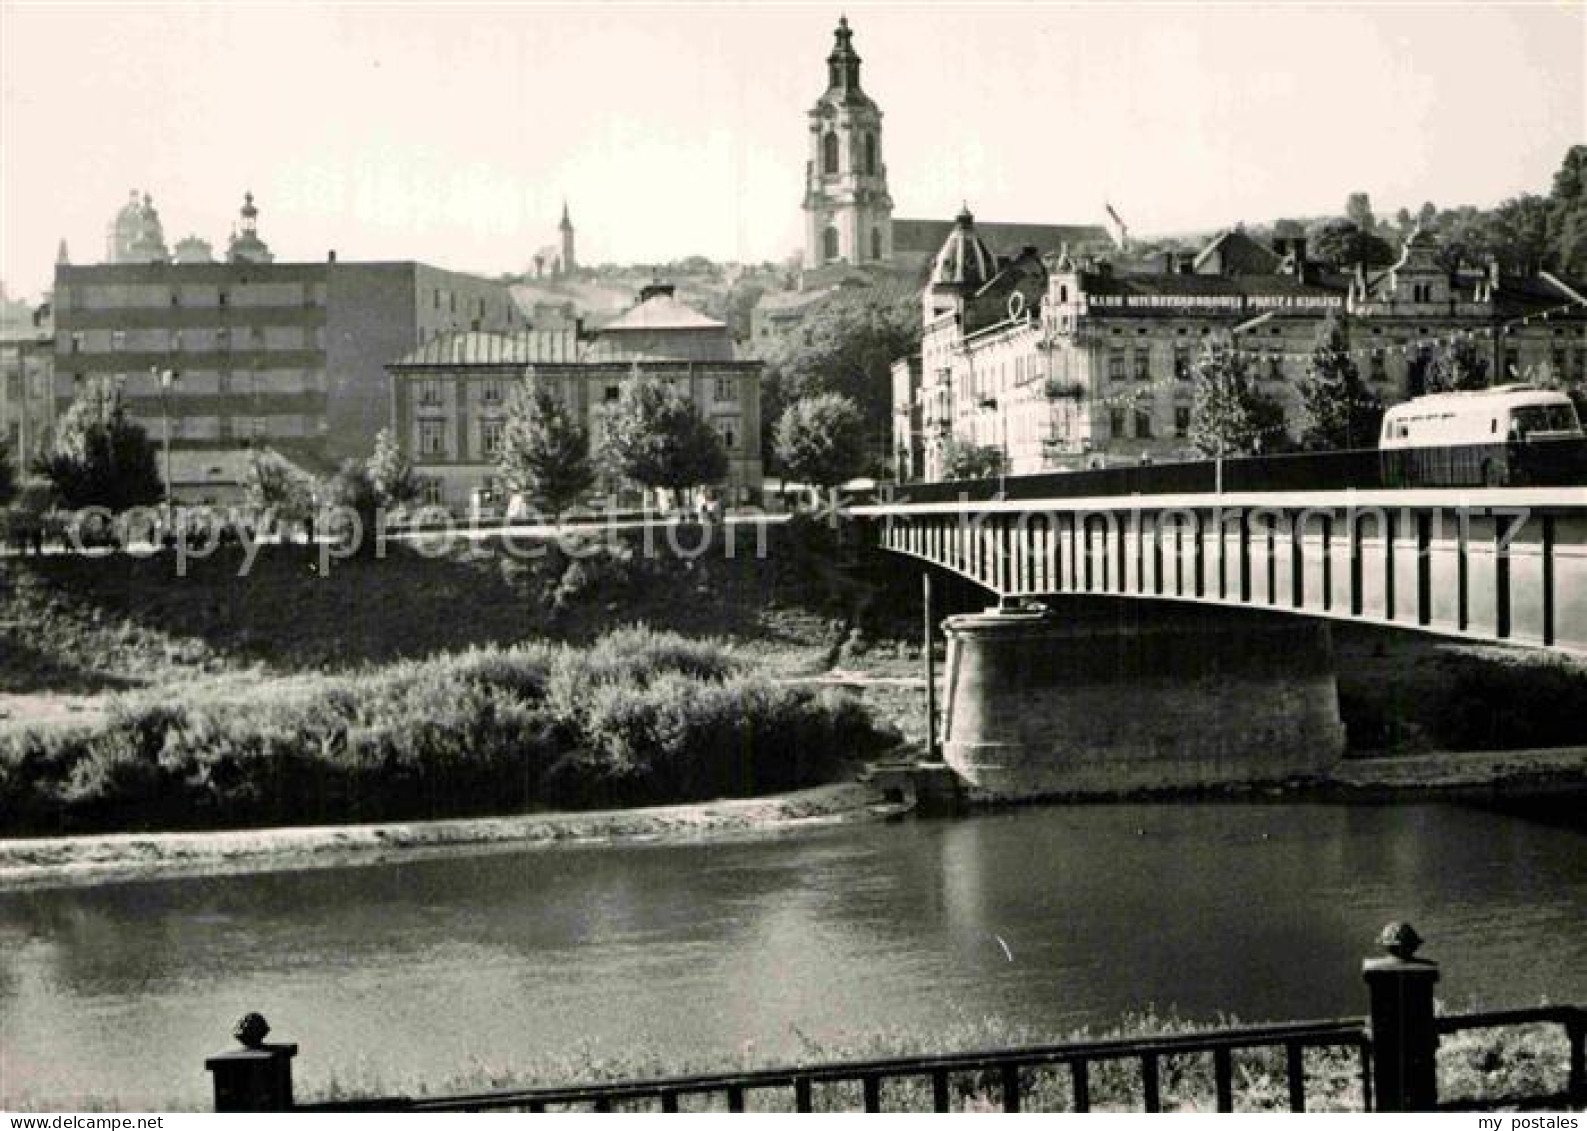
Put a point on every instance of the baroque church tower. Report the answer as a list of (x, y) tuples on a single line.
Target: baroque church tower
[(848, 214)]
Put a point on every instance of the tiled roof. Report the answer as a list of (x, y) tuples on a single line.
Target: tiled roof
[(472, 347), (662, 312), (928, 236)]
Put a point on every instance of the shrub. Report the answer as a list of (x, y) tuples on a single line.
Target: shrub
[(639, 716)]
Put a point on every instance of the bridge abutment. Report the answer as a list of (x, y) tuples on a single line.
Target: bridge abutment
[(1103, 696)]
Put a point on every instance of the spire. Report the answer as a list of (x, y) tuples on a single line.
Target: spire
[(843, 65), (62, 256), (567, 224), (250, 214)]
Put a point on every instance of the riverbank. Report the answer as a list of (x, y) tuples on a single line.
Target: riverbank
[(61, 861), (1506, 776)]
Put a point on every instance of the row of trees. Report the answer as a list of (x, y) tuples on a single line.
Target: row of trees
[(657, 439)]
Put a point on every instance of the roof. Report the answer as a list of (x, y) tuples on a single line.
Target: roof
[(525, 347), (928, 236), (1238, 254), (662, 312)]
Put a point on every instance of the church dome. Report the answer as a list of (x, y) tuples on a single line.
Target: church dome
[(964, 260)]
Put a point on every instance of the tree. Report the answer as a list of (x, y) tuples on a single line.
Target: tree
[(1339, 410), (545, 453), (1358, 210), (821, 439), (351, 493), (1450, 367), (1229, 415), (8, 481), (1567, 213), (846, 345), (1545, 376), (970, 461), (102, 457), (657, 439), (391, 471), (275, 486), (1342, 243)]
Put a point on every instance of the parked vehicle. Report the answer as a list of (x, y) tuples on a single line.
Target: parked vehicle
[(1506, 435)]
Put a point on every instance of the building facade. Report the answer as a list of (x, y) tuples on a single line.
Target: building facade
[(27, 393), (449, 397), (1062, 362), (261, 354)]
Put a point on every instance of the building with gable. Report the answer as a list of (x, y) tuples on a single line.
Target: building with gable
[(1062, 362), (449, 397)]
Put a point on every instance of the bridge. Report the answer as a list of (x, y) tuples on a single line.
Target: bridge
[(1167, 627)]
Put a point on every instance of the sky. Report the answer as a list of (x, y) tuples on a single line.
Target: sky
[(453, 133)]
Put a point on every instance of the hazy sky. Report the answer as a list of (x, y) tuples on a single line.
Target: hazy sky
[(452, 134)]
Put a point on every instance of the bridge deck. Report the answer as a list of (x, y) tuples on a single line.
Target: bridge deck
[(1506, 564)]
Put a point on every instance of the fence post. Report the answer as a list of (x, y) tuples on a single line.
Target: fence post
[(256, 1077), (1404, 1040)]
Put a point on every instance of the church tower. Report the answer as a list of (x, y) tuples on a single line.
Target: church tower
[(568, 262), (848, 214)]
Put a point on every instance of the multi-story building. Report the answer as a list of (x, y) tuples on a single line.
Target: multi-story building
[(449, 397), (1063, 362), (27, 394), (261, 354)]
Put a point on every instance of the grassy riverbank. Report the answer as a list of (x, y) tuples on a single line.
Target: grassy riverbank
[(636, 717), (1524, 1060)]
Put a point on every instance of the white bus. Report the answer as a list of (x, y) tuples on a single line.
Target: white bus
[(1492, 437)]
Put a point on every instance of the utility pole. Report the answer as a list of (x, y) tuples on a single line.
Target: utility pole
[(166, 377)]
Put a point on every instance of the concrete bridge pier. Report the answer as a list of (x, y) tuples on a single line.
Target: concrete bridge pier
[(1096, 696)]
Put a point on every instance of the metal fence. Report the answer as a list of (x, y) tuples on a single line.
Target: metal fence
[(1392, 1054)]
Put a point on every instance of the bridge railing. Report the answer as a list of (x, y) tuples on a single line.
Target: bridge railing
[(1391, 1057), (1552, 463)]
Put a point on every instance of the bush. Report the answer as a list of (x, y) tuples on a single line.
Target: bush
[(638, 717)]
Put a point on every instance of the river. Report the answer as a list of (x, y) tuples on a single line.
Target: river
[(418, 970)]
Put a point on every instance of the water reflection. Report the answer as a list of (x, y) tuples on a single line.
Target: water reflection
[(1053, 917)]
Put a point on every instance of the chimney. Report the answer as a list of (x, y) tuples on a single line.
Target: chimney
[(330, 256), (1170, 262)]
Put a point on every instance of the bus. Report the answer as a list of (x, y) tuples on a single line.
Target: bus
[(1504, 436)]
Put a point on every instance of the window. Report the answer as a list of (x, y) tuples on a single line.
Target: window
[(613, 394), (1143, 422), (870, 157), (876, 243), (1116, 365), (77, 342), (829, 244), (1558, 362), (1275, 365), (430, 492), (726, 389), (727, 428), (1377, 370), (224, 299), (1512, 362), (490, 436), (432, 437), (118, 340), (1181, 362), (491, 392), (829, 152), (1116, 423), (1143, 364), (1181, 421), (429, 392)]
